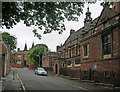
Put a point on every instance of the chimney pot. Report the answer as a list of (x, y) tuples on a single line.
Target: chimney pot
[(72, 31), (18, 49)]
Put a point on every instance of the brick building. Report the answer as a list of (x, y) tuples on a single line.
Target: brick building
[(93, 51), (20, 56), (4, 58), (48, 57)]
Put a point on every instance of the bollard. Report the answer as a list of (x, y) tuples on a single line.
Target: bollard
[(13, 75)]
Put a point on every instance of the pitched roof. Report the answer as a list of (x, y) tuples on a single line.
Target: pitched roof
[(110, 15), (25, 48), (19, 52), (78, 33)]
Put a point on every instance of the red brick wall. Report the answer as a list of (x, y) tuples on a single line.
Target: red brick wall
[(117, 6), (116, 42), (95, 56)]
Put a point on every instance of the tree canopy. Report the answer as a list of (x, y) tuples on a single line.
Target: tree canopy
[(47, 16), (36, 53), (9, 40)]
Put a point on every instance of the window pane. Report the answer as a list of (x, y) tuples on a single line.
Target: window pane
[(105, 49), (85, 73), (69, 62), (109, 49), (95, 73), (77, 61), (106, 44), (79, 50), (107, 73), (85, 50), (73, 50), (104, 39), (109, 38)]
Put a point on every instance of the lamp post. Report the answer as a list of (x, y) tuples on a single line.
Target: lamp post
[(39, 59)]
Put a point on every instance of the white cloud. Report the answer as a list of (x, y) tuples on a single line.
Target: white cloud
[(24, 34)]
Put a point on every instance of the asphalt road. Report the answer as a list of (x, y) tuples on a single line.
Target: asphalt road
[(53, 82)]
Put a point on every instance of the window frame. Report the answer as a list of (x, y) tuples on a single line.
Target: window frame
[(77, 60), (85, 56), (19, 56), (78, 49), (73, 52), (95, 73), (107, 75), (85, 73), (69, 65), (108, 53)]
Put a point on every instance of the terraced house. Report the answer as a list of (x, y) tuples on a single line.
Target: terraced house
[(93, 51), (20, 57)]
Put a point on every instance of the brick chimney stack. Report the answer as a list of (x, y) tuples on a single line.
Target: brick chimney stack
[(18, 49), (72, 31), (57, 49), (117, 6)]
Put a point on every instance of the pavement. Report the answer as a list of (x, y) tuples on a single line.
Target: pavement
[(10, 82), (109, 86)]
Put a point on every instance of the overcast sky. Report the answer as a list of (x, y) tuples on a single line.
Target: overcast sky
[(24, 34)]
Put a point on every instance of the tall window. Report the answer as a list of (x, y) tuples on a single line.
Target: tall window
[(95, 73), (67, 53), (106, 41), (19, 57), (73, 51), (85, 73), (106, 73), (78, 49), (77, 61), (69, 63), (85, 50)]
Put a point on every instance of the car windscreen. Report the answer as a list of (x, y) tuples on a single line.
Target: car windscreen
[(41, 69)]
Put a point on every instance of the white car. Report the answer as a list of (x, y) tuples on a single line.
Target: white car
[(40, 71)]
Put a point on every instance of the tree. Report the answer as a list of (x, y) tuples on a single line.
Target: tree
[(47, 16), (9, 40), (37, 50)]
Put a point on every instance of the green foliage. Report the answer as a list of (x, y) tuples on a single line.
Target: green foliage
[(107, 4), (27, 65), (37, 50), (47, 16), (11, 58), (9, 40)]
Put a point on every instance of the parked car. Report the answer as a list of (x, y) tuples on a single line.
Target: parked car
[(40, 71)]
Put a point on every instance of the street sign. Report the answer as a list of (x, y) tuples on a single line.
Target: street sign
[(94, 66)]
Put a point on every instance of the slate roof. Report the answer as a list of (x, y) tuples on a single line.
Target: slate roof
[(19, 52), (25, 48), (78, 33)]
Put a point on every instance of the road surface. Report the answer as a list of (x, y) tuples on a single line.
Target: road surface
[(32, 81)]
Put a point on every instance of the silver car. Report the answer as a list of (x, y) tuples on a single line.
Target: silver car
[(40, 71)]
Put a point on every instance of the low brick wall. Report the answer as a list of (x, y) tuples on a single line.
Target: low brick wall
[(16, 65), (32, 67)]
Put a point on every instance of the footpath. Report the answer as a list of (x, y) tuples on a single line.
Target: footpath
[(10, 83), (110, 86)]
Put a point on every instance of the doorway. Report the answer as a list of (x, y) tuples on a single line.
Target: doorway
[(56, 69), (24, 62), (90, 74)]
